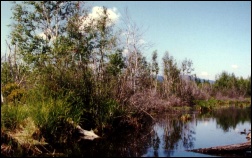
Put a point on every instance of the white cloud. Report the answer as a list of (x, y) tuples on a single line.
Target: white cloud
[(97, 12), (113, 14), (234, 66), (204, 73)]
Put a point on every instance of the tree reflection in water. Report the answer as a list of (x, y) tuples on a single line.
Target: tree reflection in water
[(229, 117), (171, 132), (155, 144), (168, 136), (173, 135), (124, 144)]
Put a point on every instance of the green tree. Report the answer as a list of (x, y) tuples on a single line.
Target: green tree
[(116, 63), (40, 31), (197, 80), (144, 74), (230, 85), (221, 83), (67, 52)]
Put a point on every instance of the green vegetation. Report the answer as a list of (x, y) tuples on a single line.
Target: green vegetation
[(65, 68), (211, 104), (206, 105)]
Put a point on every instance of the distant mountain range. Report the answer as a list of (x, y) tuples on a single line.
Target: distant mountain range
[(187, 77)]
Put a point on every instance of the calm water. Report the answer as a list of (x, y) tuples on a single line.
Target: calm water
[(173, 137), (169, 136)]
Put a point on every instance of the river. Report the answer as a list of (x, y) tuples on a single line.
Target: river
[(169, 136)]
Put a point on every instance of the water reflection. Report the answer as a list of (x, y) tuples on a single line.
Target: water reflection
[(124, 144), (203, 130), (230, 117), (170, 136)]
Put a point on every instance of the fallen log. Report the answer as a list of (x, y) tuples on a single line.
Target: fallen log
[(87, 134), (238, 149), (90, 135)]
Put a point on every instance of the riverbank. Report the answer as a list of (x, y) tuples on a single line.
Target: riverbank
[(28, 139)]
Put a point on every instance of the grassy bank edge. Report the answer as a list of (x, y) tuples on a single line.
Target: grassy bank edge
[(21, 125)]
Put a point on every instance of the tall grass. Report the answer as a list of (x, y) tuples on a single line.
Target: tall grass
[(51, 115), (45, 112), (108, 110), (12, 116)]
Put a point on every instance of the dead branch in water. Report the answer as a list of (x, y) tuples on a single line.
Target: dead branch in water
[(240, 148)]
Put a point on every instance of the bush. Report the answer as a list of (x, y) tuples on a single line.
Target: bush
[(13, 93)]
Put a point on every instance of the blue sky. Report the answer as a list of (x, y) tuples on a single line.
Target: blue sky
[(216, 36)]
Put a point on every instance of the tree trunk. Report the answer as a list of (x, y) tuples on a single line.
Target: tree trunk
[(2, 97)]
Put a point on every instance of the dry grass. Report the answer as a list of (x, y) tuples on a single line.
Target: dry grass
[(21, 141), (24, 134)]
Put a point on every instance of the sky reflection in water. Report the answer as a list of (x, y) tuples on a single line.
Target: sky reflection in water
[(171, 136)]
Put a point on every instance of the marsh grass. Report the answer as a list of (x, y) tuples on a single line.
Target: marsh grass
[(37, 122), (211, 104), (50, 117), (12, 116), (36, 114)]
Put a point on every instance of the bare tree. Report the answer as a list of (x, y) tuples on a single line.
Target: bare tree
[(134, 46), (171, 75)]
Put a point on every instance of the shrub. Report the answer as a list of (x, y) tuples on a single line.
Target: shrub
[(13, 93)]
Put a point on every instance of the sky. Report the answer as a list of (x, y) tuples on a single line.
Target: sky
[(215, 35)]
